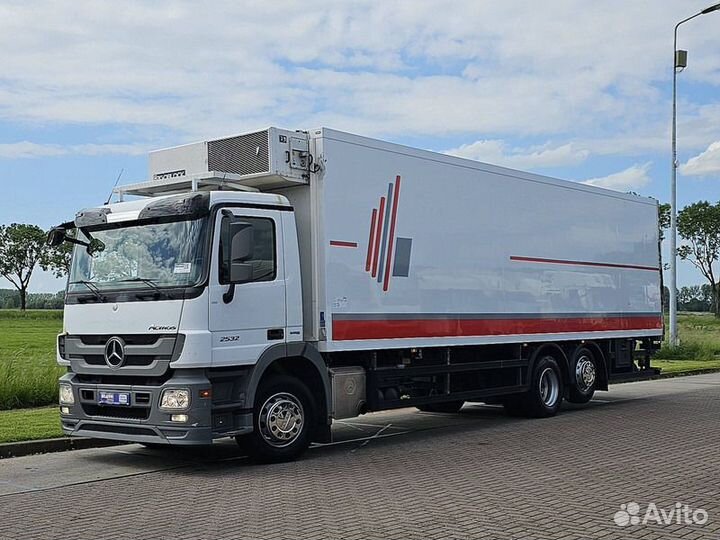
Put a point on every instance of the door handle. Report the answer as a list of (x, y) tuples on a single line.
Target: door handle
[(275, 333)]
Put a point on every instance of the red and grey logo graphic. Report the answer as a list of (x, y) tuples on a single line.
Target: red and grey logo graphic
[(381, 257)]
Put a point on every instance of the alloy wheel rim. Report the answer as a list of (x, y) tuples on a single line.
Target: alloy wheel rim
[(281, 419), (585, 373), (549, 386)]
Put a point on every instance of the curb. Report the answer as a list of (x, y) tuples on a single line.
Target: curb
[(688, 373), (44, 446)]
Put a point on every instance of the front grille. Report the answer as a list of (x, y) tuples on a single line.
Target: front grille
[(144, 353), (244, 154), (134, 360), (128, 413), (129, 339)]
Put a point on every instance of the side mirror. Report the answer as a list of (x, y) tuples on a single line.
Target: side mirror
[(95, 246), (241, 250), (241, 241), (56, 236)]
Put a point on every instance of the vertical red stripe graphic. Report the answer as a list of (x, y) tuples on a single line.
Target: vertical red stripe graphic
[(391, 240), (381, 215), (368, 260)]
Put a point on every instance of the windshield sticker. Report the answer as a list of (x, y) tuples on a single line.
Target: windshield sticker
[(182, 268)]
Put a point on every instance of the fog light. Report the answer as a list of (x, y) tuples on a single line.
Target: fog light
[(179, 418), (66, 395), (175, 399), (64, 410)]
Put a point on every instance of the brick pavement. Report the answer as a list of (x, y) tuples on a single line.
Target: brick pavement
[(490, 477)]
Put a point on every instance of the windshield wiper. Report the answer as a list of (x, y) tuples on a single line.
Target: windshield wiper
[(147, 281), (91, 287)]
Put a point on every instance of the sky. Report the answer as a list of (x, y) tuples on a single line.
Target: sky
[(567, 88)]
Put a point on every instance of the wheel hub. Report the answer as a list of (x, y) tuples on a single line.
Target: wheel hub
[(281, 419), (549, 387), (585, 373)]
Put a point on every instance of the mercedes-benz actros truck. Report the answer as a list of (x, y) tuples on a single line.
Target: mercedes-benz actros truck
[(263, 285)]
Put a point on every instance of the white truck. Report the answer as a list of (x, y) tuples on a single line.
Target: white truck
[(261, 286)]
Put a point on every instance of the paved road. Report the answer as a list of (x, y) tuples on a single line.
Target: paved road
[(402, 474)]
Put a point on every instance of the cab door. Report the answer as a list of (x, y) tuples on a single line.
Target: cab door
[(255, 318)]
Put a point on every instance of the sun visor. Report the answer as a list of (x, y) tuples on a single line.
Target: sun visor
[(192, 206), (91, 216)]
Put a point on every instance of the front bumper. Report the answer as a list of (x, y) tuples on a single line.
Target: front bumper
[(143, 421)]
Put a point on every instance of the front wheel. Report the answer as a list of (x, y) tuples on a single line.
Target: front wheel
[(283, 417)]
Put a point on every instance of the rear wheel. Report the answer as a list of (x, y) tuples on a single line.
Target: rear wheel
[(445, 407), (583, 376), (282, 420)]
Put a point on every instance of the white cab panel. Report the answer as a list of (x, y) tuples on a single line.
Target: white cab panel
[(240, 328)]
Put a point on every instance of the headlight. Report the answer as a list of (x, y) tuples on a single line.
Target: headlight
[(175, 399), (66, 394)]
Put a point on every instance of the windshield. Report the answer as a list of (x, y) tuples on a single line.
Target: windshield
[(150, 255)]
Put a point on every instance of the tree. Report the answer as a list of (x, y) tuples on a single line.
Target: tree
[(699, 227), (21, 248), (57, 259), (695, 298)]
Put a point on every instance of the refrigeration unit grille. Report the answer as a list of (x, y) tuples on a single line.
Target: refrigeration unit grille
[(244, 154)]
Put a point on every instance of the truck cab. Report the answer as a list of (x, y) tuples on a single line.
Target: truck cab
[(178, 290)]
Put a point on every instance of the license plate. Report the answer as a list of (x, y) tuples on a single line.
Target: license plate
[(114, 398)]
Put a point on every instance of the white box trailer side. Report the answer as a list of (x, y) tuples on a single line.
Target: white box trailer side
[(410, 248)]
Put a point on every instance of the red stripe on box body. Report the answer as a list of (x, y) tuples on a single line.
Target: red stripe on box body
[(381, 215), (582, 263), (342, 243), (368, 259), (391, 239), (398, 328)]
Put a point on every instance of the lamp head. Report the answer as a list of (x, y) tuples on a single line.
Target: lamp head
[(710, 9)]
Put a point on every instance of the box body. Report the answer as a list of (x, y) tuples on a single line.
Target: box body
[(408, 248)]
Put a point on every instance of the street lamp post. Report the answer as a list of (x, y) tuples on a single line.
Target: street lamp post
[(679, 61)]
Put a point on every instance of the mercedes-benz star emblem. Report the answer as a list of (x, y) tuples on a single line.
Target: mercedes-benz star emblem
[(115, 352)]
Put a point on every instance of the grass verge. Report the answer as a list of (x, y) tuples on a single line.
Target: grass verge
[(28, 368), (29, 424)]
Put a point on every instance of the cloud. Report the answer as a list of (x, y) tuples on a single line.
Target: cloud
[(496, 152), (631, 179), (399, 68), (27, 149), (705, 163)]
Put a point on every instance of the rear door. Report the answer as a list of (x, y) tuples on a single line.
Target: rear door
[(256, 316)]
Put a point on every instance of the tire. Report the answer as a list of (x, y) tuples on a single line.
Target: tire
[(545, 395), (283, 418), (445, 407), (583, 376)]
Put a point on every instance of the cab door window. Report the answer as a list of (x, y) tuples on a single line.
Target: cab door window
[(263, 260)]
